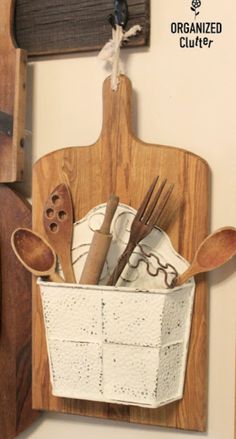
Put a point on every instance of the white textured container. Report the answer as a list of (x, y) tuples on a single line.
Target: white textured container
[(119, 345)]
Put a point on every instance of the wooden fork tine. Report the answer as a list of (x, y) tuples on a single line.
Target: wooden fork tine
[(158, 211), (152, 207), (139, 228), (146, 199)]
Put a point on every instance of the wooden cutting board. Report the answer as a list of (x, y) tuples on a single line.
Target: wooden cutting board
[(119, 162), (16, 412), (12, 99)]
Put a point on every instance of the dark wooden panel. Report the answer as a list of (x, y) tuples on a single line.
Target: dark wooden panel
[(57, 26), (16, 412)]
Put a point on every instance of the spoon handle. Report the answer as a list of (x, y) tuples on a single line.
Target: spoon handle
[(55, 277), (185, 276), (66, 264)]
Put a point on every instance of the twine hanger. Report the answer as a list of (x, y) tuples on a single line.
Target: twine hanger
[(111, 50)]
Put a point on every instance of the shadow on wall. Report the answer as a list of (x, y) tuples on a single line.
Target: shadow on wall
[(223, 273), (99, 428)]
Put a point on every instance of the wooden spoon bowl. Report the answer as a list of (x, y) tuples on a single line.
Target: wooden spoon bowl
[(34, 252), (217, 249)]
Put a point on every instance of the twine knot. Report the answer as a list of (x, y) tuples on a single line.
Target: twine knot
[(111, 50)]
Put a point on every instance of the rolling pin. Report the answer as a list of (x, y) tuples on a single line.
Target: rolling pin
[(99, 246)]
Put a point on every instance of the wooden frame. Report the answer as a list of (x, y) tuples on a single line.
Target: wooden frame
[(12, 98), (16, 412), (78, 26)]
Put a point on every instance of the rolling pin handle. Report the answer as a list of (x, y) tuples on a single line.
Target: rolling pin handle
[(111, 207)]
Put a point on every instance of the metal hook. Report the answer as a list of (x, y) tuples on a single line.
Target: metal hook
[(121, 15), (111, 20), (121, 12)]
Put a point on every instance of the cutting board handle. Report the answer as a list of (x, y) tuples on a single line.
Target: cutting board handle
[(12, 97), (117, 114), (6, 28)]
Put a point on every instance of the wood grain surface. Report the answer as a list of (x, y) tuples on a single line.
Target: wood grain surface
[(54, 27), (16, 412), (12, 97), (120, 163)]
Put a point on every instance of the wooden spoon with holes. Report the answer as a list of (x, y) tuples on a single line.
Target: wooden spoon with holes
[(58, 225)]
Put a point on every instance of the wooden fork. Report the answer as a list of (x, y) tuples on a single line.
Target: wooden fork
[(145, 219)]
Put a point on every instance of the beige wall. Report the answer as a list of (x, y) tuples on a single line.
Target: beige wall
[(183, 98)]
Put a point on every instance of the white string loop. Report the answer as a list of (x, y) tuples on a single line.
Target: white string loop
[(111, 51)]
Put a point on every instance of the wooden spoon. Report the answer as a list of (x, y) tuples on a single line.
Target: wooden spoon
[(34, 252), (58, 225), (213, 252)]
